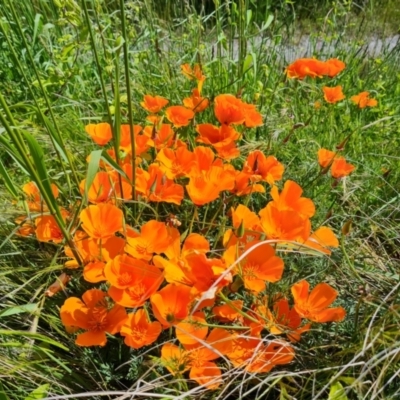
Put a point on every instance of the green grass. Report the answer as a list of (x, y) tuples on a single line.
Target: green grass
[(53, 86)]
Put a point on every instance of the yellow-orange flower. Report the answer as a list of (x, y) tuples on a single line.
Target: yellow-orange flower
[(179, 115), (100, 133), (92, 314), (363, 100), (333, 94), (341, 168), (153, 104), (102, 220), (314, 305), (138, 331)]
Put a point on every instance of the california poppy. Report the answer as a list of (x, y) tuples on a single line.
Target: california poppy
[(100, 133), (260, 167), (155, 186), (34, 198), (171, 304), (47, 228), (102, 220), (333, 94), (132, 281), (100, 190), (229, 109), (306, 67), (175, 163), (92, 315), (325, 157), (138, 331), (179, 115), (314, 305), (259, 266), (363, 100), (196, 102), (153, 239), (334, 67), (290, 199), (341, 168), (153, 104)]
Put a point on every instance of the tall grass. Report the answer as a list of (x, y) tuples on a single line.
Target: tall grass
[(70, 62)]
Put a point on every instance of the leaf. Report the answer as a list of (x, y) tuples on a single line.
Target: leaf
[(3, 395), (267, 23), (247, 63), (108, 159), (18, 310), (92, 169), (8, 182), (38, 393), (38, 161), (36, 28), (337, 392), (36, 336)]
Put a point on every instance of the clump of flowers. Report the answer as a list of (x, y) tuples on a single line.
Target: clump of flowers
[(161, 275)]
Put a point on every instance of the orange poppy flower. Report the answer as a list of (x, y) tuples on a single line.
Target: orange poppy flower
[(228, 152), (195, 73), (138, 331), (334, 67), (341, 168), (153, 104), (153, 238), (34, 198), (101, 133), (307, 67), (132, 281), (206, 187), (216, 136), (245, 186), (195, 102), (102, 220), (100, 190), (92, 314), (252, 117), (284, 224), (171, 304), (267, 169), (321, 239), (259, 266), (192, 330), (290, 199), (110, 248), (325, 157), (161, 137), (201, 356), (229, 110), (228, 312), (282, 319), (175, 163), (314, 305), (179, 115), (333, 94), (204, 160), (255, 356), (155, 186), (174, 358), (142, 142), (26, 226), (363, 100), (246, 224), (47, 229)]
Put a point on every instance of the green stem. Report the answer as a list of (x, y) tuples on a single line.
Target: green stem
[(129, 94), (47, 101)]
